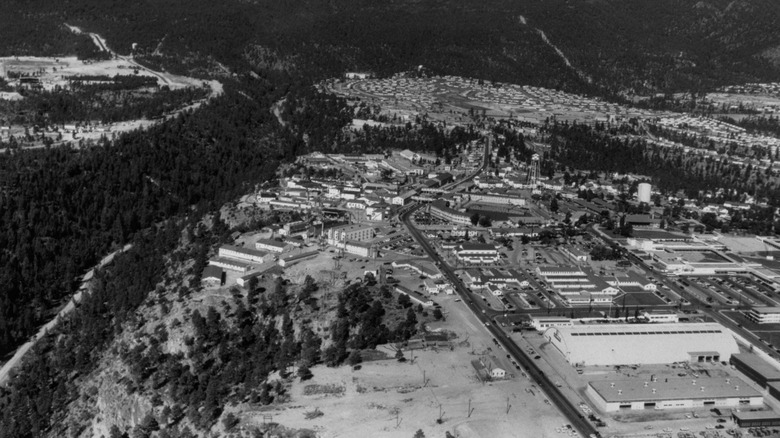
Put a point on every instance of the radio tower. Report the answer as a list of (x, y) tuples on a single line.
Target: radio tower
[(533, 171)]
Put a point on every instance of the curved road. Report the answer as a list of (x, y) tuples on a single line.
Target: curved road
[(571, 412)]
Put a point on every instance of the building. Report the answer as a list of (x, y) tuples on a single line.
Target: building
[(497, 199), (439, 209), (575, 254), (756, 419), (764, 315), (270, 245), (230, 264), (616, 344), (241, 253), (359, 233), (295, 258), (362, 249), (755, 368), (672, 393), (643, 193), (213, 276), (421, 267), (661, 316), (403, 198), (415, 296), (476, 253), (542, 323), (642, 220)]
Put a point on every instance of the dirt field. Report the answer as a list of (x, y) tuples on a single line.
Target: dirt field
[(388, 398)]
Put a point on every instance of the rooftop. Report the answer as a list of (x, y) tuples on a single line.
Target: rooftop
[(242, 250), (673, 389)]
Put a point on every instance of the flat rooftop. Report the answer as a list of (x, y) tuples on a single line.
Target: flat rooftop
[(766, 310), (659, 235), (673, 389), (758, 365)]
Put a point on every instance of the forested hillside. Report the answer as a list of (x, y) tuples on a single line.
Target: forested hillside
[(640, 46)]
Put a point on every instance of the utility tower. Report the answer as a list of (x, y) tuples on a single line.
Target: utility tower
[(533, 170)]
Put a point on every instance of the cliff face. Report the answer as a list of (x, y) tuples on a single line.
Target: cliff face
[(115, 406)]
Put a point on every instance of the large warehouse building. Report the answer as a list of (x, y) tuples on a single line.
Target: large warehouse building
[(610, 396), (627, 344)]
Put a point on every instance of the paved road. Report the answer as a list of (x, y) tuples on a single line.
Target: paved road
[(561, 402)]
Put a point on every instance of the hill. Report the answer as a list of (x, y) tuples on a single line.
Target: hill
[(642, 46)]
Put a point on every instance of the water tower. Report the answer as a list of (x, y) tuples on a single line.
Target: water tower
[(533, 170), (643, 193)]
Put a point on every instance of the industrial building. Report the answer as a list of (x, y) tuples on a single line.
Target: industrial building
[(755, 368), (616, 344), (674, 393), (756, 419)]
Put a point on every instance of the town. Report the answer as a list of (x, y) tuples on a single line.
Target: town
[(567, 286)]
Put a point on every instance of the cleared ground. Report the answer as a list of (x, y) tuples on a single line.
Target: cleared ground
[(388, 398)]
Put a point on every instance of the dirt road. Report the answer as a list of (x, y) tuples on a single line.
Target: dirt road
[(5, 371)]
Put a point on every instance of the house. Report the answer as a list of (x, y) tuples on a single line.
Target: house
[(213, 276)]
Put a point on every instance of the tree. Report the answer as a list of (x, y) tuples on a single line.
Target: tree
[(485, 221), (354, 357), (437, 314), (404, 300), (304, 373), (554, 205), (474, 219), (230, 421), (419, 434)]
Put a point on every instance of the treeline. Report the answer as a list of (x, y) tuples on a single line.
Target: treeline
[(88, 103), (63, 209), (47, 380), (757, 124), (672, 170)]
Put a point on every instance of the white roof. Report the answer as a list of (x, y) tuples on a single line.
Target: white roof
[(625, 344)]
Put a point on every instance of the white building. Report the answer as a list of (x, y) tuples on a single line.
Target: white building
[(542, 323), (764, 315), (616, 344), (270, 245), (241, 253), (672, 393), (476, 253), (661, 316), (362, 249), (643, 193), (341, 234)]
